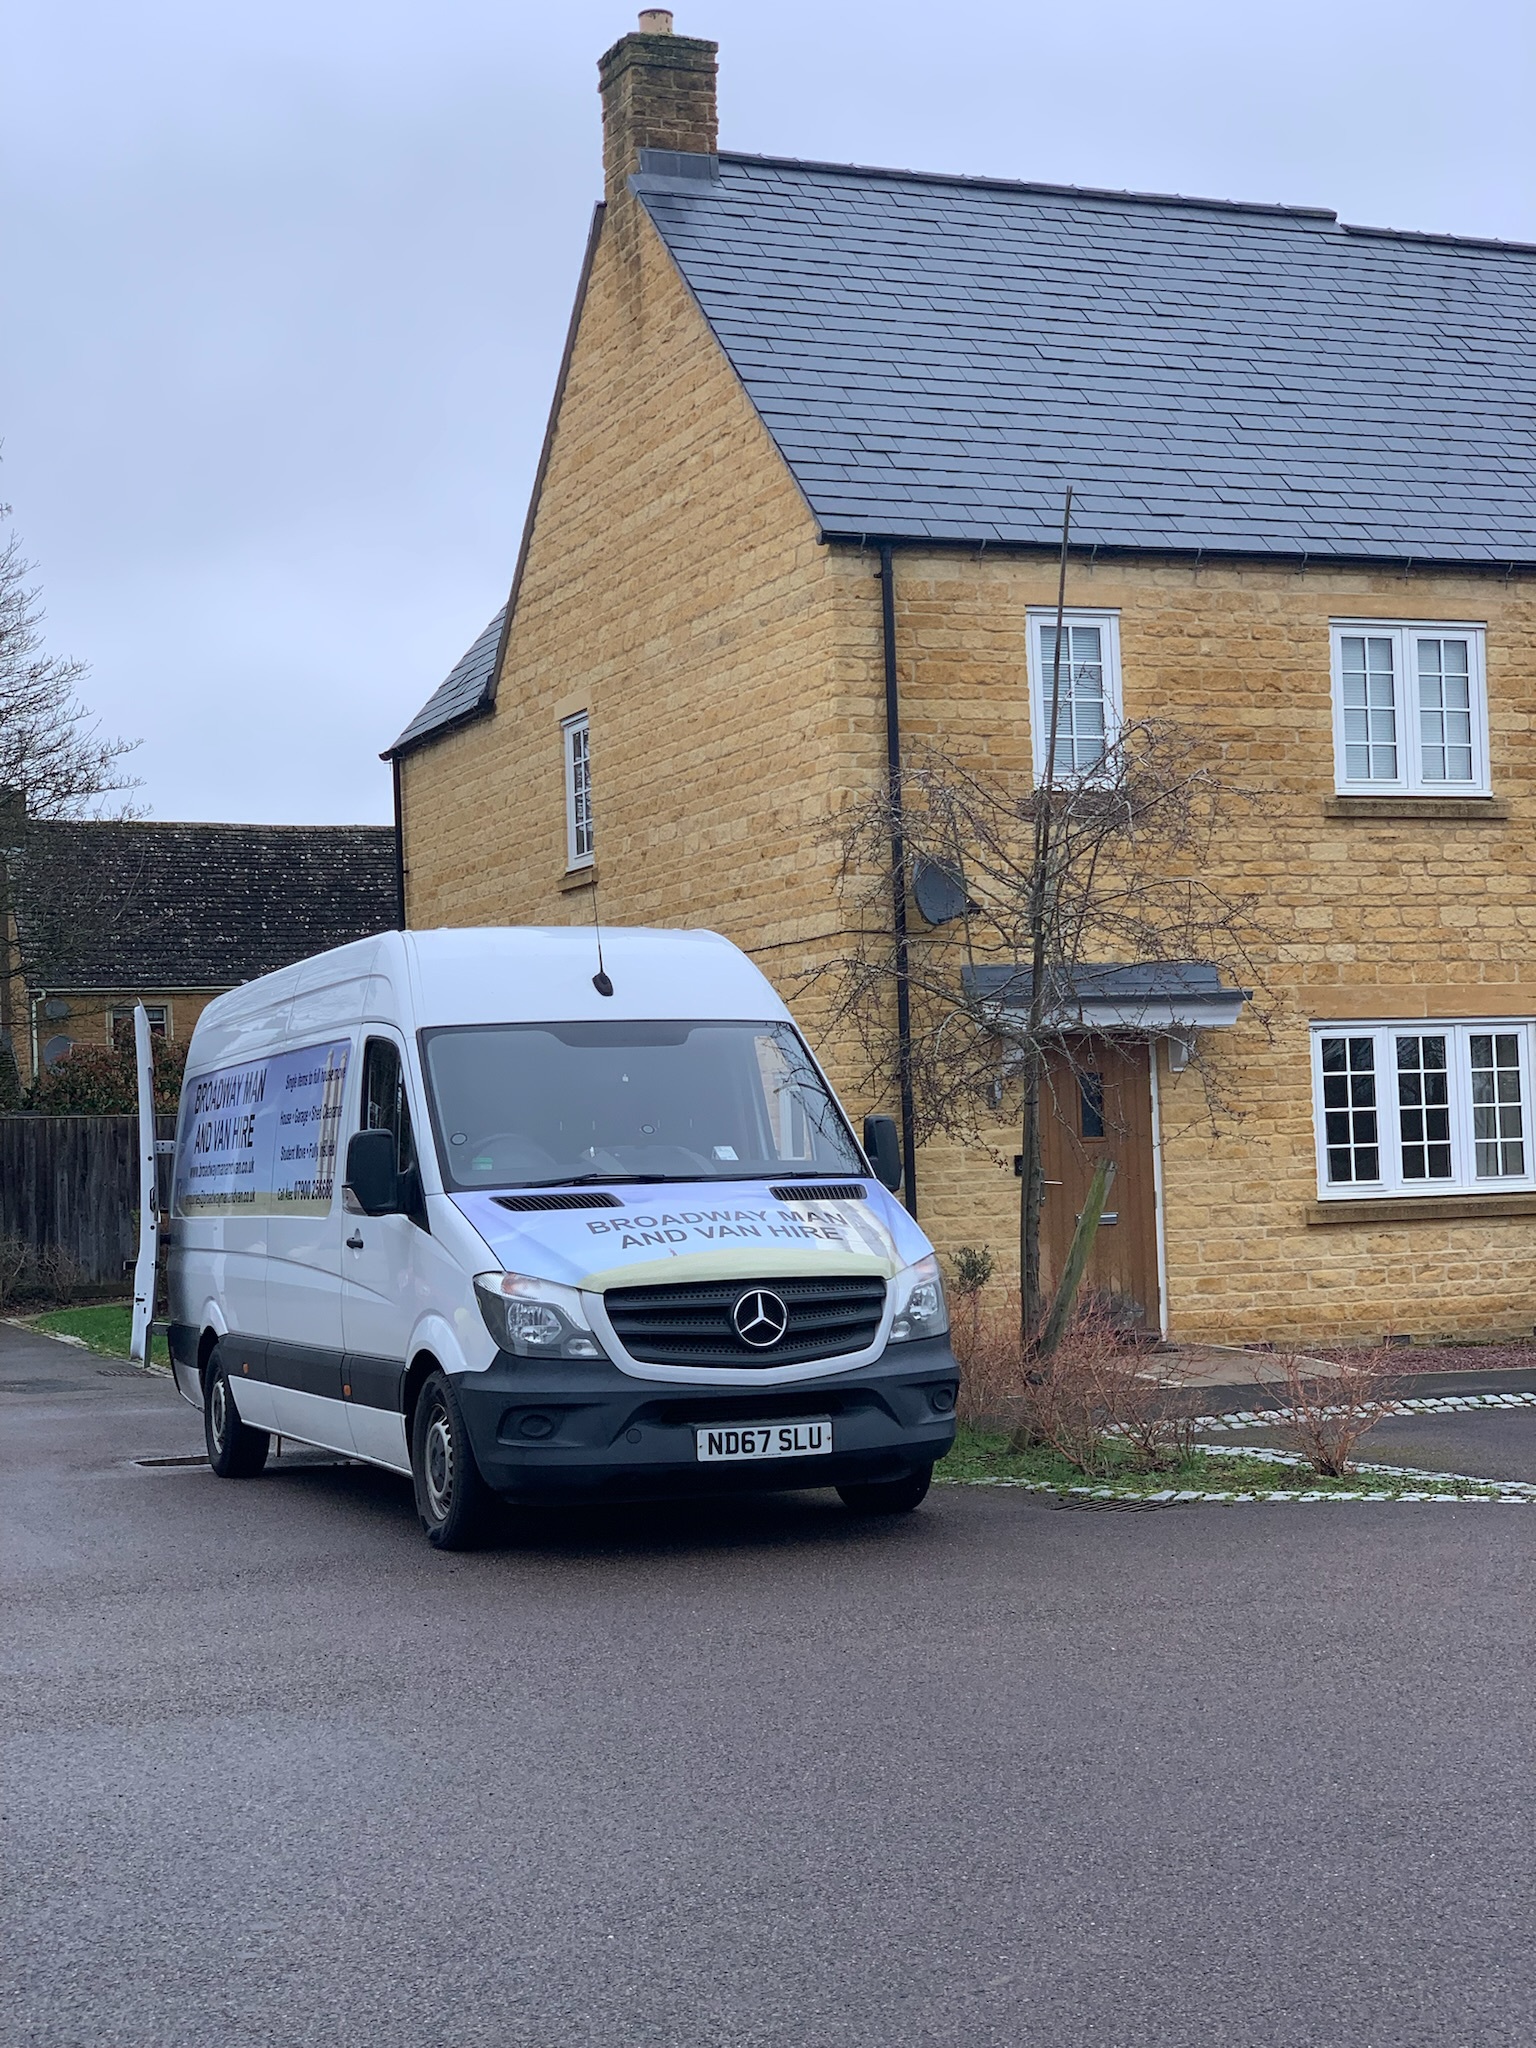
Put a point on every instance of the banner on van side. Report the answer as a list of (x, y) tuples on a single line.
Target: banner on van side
[(261, 1139)]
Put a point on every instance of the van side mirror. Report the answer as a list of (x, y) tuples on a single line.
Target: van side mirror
[(373, 1172), (882, 1142)]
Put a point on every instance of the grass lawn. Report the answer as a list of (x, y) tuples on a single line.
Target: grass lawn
[(105, 1327), (979, 1454)]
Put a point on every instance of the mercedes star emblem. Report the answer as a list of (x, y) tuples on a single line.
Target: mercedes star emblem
[(760, 1318)]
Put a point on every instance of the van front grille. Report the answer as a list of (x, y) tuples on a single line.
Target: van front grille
[(696, 1323)]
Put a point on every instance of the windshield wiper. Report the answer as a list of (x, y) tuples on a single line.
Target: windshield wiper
[(815, 1173), (591, 1180), (603, 1180)]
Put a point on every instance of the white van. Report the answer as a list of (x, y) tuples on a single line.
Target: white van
[(600, 1234)]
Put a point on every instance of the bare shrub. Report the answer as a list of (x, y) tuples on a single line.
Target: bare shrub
[(15, 1263), (1149, 1414), (984, 1334), (1326, 1416), (1098, 1400), (1068, 1399), (60, 1277), (38, 1277)]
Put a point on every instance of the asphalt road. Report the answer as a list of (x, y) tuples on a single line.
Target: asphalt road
[(274, 1772)]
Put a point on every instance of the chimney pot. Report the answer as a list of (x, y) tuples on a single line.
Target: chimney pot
[(655, 21)]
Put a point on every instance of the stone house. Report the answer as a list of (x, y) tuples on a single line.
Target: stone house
[(811, 434), (105, 913)]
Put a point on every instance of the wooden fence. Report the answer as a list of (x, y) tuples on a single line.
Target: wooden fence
[(71, 1184)]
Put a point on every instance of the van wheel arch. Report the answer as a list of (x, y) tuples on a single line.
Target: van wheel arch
[(205, 1350), (420, 1370)]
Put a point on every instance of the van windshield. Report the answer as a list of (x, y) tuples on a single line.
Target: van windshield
[(538, 1105)]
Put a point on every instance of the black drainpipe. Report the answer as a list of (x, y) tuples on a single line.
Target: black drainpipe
[(394, 763), (898, 872)]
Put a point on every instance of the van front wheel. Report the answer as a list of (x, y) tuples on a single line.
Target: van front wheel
[(235, 1450), (888, 1496), (451, 1498)]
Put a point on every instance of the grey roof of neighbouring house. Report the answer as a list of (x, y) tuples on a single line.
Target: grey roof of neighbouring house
[(939, 357), (109, 906), (466, 689)]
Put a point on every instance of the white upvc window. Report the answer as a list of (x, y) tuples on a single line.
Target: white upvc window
[(1089, 713), (577, 740), (1423, 1108), (1410, 709)]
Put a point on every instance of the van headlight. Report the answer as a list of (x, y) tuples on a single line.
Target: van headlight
[(535, 1318), (918, 1293)]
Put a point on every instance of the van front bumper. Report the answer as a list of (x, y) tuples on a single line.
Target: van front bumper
[(546, 1429)]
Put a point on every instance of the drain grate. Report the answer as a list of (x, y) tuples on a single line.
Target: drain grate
[(1137, 1507), (199, 1460)]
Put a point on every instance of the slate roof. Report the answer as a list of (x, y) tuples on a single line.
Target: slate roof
[(938, 358), (466, 689), (1139, 981), (109, 906)]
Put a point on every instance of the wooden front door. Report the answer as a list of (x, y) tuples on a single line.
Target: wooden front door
[(1098, 1100)]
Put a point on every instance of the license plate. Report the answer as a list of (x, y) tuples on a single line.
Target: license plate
[(804, 1439)]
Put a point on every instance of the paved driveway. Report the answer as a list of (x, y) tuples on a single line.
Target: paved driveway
[(276, 1773)]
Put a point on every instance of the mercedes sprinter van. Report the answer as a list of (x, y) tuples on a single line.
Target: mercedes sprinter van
[(455, 1203)]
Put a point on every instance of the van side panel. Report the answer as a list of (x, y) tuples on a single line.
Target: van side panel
[(304, 1324)]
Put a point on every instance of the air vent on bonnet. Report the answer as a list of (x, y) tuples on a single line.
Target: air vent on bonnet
[(831, 1191), (555, 1198)]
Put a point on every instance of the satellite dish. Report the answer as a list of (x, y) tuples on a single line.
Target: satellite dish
[(937, 890)]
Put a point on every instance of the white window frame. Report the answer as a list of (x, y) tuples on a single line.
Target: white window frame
[(1410, 779), (125, 1012), (576, 748), (1043, 617), (1463, 1178)]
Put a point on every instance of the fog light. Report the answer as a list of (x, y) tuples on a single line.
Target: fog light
[(536, 1426), (942, 1399)]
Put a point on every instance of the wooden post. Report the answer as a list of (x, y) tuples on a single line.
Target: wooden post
[(1077, 1257)]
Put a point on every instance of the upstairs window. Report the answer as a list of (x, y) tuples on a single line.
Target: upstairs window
[(121, 1023), (1422, 1109), (1088, 705), (1409, 710), (578, 791)]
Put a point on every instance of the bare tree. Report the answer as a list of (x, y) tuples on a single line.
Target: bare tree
[(55, 764), (53, 756), (1114, 862)]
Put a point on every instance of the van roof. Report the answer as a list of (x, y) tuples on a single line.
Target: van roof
[(517, 973), (514, 972)]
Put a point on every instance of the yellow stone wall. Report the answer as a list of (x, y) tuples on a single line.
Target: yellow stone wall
[(730, 663), (1366, 918)]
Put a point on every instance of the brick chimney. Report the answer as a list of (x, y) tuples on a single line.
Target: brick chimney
[(658, 93)]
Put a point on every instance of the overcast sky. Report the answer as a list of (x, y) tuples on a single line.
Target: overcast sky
[(286, 286)]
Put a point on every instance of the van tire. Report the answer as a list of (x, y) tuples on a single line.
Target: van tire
[(235, 1450), (888, 1496), (452, 1499)]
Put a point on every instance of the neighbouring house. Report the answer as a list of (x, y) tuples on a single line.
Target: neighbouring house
[(1304, 460), (107, 913)]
